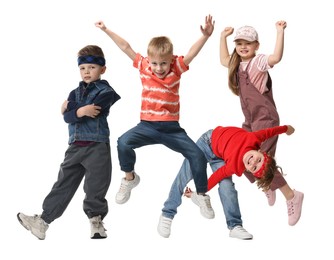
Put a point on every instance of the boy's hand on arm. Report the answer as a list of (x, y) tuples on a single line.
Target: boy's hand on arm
[(119, 41), (197, 46), (89, 110), (290, 130), (101, 25), (209, 26)]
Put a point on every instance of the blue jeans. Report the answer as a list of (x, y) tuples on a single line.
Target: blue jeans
[(227, 192), (169, 134)]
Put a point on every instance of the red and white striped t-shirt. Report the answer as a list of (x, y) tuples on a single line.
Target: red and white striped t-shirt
[(160, 97)]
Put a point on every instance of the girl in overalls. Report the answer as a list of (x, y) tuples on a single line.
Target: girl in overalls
[(249, 79)]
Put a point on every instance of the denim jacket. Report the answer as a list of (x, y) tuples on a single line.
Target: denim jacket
[(96, 129)]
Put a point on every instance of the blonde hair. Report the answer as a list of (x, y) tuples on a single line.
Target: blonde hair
[(161, 46)]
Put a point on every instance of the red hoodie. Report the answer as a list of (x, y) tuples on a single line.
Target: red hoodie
[(231, 143)]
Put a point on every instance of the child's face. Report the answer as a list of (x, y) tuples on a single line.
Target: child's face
[(160, 66), (245, 49), (91, 72), (253, 160)]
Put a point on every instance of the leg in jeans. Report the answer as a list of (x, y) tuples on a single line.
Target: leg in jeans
[(229, 199), (172, 136), (227, 192), (182, 179), (175, 195), (140, 135), (175, 138)]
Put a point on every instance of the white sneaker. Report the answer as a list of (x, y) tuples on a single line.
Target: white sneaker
[(164, 226), (97, 229), (241, 233), (203, 201), (35, 224), (123, 195)]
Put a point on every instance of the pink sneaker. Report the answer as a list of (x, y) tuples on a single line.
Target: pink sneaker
[(295, 207), (271, 196)]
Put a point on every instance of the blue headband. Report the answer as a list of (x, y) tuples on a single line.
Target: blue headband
[(91, 59)]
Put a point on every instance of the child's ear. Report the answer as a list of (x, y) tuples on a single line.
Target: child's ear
[(103, 70)]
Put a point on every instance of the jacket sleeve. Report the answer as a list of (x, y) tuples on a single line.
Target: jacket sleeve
[(106, 99), (70, 115)]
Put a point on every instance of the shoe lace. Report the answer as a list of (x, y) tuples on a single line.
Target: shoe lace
[(207, 202), (98, 223), (268, 194), (124, 187), (240, 229), (290, 207)]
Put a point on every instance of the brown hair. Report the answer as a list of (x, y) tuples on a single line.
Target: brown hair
[(269, 172), (93, 50), (161, 46), (233, 68)]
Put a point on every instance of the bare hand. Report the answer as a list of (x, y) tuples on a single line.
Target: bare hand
[(101, 25), (187, 193), (227, 31), (89, 110), (290, 130), (281, 25), (208, 27)]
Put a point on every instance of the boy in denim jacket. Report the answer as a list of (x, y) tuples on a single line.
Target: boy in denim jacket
[(88, 154)]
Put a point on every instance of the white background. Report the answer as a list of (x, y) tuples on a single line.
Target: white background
[(39, 44)]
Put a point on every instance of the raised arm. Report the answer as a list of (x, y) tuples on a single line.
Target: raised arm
[(206, 33), (279, 46), (224, 53), (120, 42)]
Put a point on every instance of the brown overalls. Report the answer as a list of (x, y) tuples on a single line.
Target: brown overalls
[(260, 112)]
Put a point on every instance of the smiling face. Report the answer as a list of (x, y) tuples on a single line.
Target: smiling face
[(160, 65), (245, 49), (253, 160)]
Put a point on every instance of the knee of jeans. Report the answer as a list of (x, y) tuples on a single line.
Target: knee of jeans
[(227, 184)]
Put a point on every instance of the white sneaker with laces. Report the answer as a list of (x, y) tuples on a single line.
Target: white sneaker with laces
[(164, 226), (35, 224), (97, 229), (241, 233), (203, 201), (123, 195)]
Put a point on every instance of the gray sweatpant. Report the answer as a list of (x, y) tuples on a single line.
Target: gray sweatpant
[(92, 162)]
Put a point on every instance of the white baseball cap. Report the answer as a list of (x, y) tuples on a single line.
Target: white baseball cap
[(247, 33)]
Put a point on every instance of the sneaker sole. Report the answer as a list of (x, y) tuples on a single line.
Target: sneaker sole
[(97, 236), (241, 238)]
